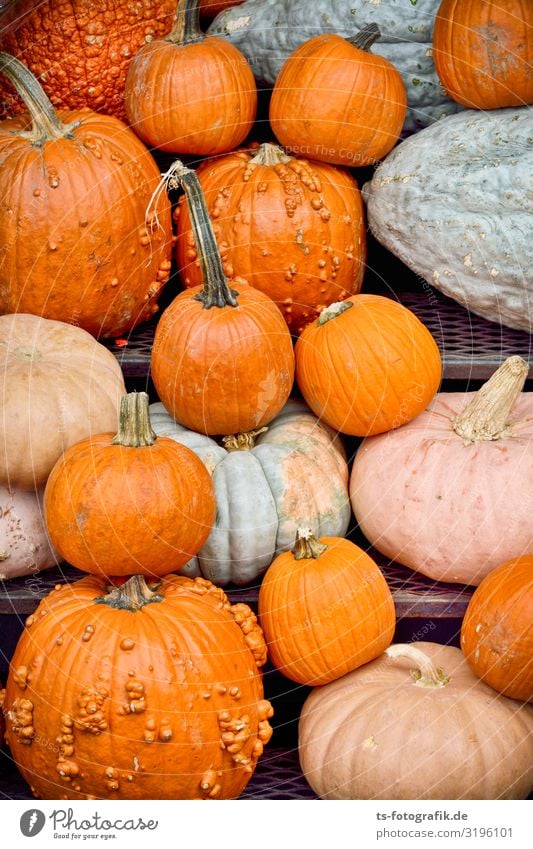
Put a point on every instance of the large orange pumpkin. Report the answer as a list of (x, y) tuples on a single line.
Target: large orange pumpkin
[(138, 693), (222, 359), (367, 365), (130, 503), (335, 101), (483, 51), (190, 93), (293, 228), (497, 630), (76, 244)]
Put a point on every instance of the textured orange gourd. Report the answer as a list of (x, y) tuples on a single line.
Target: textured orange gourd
[(336, 102), (483, 51), (76, 244), (497, 630), (133, 503), (80, 49), (222, 359), (138, 693), (190, 93), (367, 365), (294, 229), (325, 609)]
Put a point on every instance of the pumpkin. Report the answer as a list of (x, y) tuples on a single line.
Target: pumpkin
[(130, 503), (77, 217), (267, 483), (450, 203), (59, 385), (80, 49), (415, 723), (294, 229), (450, 494), (138, 692), (325, 609), (222, 358), (267, 32), (483, 52), (2, 723), (24, 543), (367, 365), (188, 93), (337, 102), (497, 629)]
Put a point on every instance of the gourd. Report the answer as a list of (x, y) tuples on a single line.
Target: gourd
[(325, 609), (450, 203), (415, 723), (345, 104), (497, 629), (24, 544), (146, 691), (267, 31), (450, 494), (210, 8), (222, 359), (2, 723), (130, 503), (59, 386), (188, 93), (292, 228), (267, 483), (76, 243), (367, 365)]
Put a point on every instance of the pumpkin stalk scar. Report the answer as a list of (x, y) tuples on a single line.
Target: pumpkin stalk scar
[(333, 311), (242, 441), (426, 674), (133, 595), (307, 546)]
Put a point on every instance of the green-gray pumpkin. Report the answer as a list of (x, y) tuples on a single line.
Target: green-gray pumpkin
[(454, 203), (267, 31)]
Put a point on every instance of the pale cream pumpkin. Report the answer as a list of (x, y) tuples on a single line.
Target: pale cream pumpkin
[(24, 544)]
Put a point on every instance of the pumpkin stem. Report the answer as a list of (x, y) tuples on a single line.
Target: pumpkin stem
[(134, 428), (425, 674), (186, 28), (242, 441), (307, 545), (333, 311), (270, 154), (133, 595), (487, 415), (45, 124), (366, 37)]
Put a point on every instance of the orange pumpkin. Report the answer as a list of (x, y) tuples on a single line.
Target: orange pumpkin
[(294, 229), (367, 365), (133, 503), (222, 359), (190, 93), (2, 724), (325, 609), (138, 693), (483, 52), (497, 630), (336, 102)]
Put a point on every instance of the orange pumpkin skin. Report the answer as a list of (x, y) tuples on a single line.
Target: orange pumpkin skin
[(483, 52), (324, 617), (497, 630), (165, 702), (293, 229), (336, 103), (2, 723), (369, 367)]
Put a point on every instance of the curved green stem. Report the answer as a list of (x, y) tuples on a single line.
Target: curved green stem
[(186, 29), (366, 37)]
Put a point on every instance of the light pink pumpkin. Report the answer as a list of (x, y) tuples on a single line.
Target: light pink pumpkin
[(24, 544), (453, 498)]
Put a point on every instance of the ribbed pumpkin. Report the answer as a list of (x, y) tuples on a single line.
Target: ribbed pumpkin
[(190, 93), (325, 609), (59, 385), (24, 544), (130, 503), (416, 723), (497, 630), (222, 359), (336, 102), (2, 724), (292, 228), (138, 693), (76, 243), (483, 51), (367, 365)]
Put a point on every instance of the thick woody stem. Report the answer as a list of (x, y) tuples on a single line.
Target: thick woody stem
[(133, 595), (425, 673), (487, 415), (366, 37), (307, 545), (134, 428), (186, 29)]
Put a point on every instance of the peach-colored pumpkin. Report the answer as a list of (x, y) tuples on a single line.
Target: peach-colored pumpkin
[(24, 543)]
